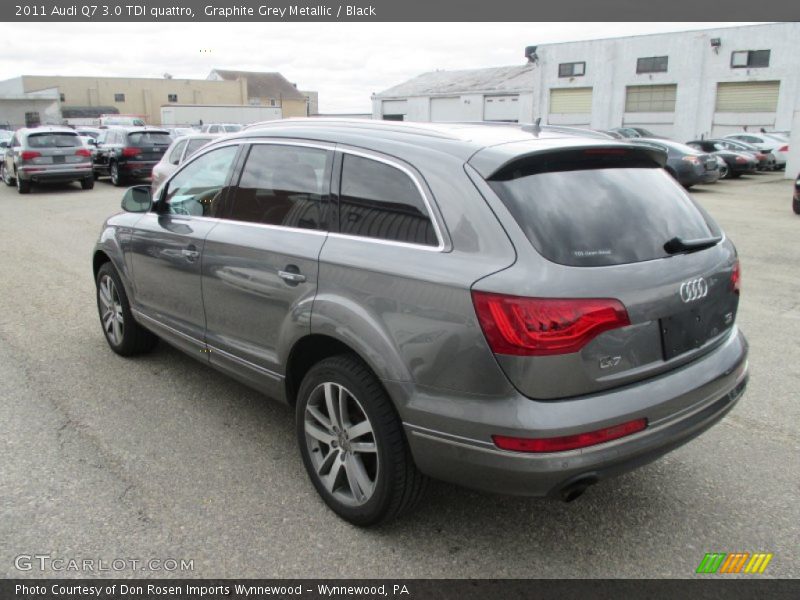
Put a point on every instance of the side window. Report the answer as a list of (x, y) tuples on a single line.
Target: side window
[(177, 150), (381, 201), (197, 188), (282, 185)]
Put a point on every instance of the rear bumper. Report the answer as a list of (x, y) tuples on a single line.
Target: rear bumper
[(138, 168), (55, 174), (450, 437)]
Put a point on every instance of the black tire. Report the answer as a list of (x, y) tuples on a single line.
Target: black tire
[(7, 179), (796, 205), (398, 485), (134, 338), (87, 183), (95, 175), (116, 177), (23, 187)]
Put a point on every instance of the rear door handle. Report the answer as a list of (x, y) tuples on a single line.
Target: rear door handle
[(291, 277)]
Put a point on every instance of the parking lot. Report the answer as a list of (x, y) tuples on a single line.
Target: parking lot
[(162, 457)]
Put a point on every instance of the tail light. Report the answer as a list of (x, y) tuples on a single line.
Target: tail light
[(29, 154), (544, 326), (736, 277), (783, 149), (741, 159), (131, 151), (569, 442), (692, 159), (83, 152)]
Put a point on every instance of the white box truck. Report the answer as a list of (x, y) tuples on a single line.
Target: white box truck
[(197, 114)]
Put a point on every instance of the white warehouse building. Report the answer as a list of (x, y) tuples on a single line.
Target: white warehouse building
[(681, 85)]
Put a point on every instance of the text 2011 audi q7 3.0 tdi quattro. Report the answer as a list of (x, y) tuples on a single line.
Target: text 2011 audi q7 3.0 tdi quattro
[(517, 309)]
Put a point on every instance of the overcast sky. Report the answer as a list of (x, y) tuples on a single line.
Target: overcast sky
[(345, 62)]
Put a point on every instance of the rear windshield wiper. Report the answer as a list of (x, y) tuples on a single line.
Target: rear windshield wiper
[(678, 245)]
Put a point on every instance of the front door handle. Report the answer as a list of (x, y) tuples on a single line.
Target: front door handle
[(190, 253), (291, 277)]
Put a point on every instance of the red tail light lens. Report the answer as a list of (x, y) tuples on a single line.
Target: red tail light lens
[(569, 442), (783, 149), (29, 154), (544, 326), (83, 152), (741, 159), (736, 277), (131, 151)]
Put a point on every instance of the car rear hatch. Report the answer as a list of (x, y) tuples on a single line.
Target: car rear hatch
[(50, 149), (620, 275), (147, 146)]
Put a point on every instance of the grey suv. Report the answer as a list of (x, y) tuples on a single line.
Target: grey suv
[(46, 155), (513, 309)]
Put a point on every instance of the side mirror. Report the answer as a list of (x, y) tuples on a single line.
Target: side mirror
[(91, 141), (137, 199), (3, 144)]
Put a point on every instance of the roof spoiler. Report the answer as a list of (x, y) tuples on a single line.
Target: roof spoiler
[(501, 163)]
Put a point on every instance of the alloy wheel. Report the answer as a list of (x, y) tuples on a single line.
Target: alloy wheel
[(341, 443), (114, 173), (112, 318)]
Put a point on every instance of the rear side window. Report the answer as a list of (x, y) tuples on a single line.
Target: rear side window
[(282, 185), (149, 138), (607, 216), (54, 140), (175, 155), (194, 144), (380, 201)]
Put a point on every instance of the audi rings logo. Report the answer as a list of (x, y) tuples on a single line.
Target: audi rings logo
[(694, 289)]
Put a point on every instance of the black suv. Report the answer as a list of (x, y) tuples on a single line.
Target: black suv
[(126, 153)]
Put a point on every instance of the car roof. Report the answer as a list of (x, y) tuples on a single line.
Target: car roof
[(137, 129), (497, 143)]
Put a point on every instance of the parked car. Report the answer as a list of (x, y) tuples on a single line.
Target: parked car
[(126, 153), (181, 149), (46, 155), (177, 132), (90, 132), (766, 160), (796, 196), (686, 164), (766, 143), (427, 298), (635, 132), (738, 163), (219, 128)]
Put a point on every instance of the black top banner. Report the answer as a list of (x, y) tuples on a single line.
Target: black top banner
[(395, 10)]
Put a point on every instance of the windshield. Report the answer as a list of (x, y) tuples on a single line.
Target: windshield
[(149, 138), (53, 140), (597, 217)]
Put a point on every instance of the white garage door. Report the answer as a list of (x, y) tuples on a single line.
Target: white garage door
[(394, 110), (446, 109), (747, 96), (571, 101), (501, 108)]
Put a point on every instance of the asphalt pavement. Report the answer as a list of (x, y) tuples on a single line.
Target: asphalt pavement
[(160, 457)]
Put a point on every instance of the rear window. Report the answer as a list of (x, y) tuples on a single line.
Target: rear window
[(598, 217), (54, 140), (231, 128), (149, 138)]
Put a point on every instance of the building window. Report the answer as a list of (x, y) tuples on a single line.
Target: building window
[(273, 102), (254, 101), (119, 97), (652, 64), (574, 69), (650, 98), (172, 97), (62, 97), (746, 59)]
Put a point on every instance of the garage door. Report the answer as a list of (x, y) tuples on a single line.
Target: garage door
[(446, 109), (571, 101), (747, 96), (394, 110), (501, 108)]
